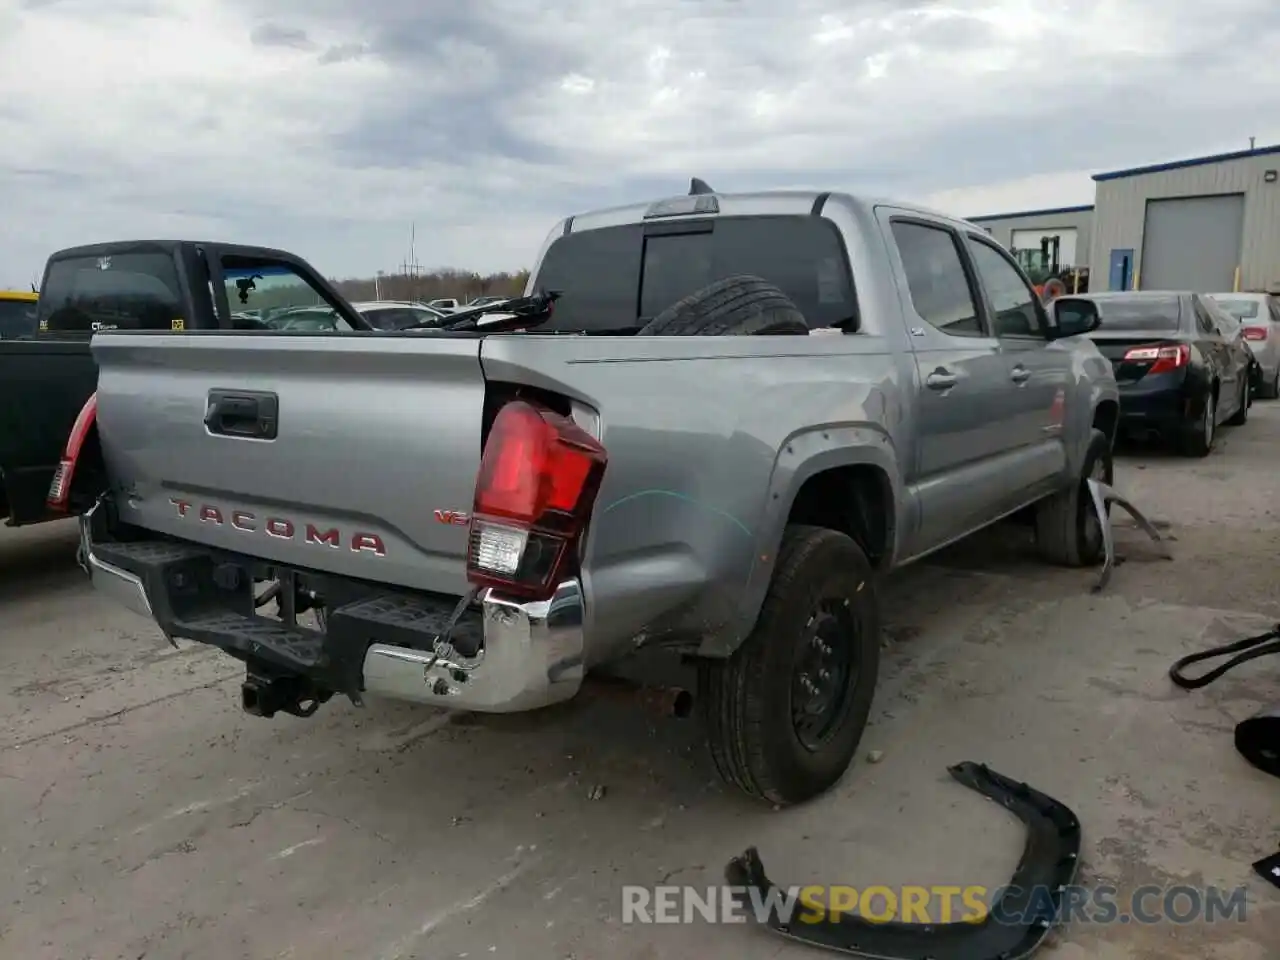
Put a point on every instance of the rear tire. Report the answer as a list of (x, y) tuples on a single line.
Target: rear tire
[(1068, 532), (741, 306), (785, 714), (1271, 390), (1199, 437)]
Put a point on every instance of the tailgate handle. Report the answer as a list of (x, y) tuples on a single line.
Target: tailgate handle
[(242, 413)]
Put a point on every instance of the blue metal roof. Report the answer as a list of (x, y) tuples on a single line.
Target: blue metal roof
[(1194, 162), (1047, 212)]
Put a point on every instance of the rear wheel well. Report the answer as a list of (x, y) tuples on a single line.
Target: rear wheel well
[(1106, 418), (90, 478), (853, 500)]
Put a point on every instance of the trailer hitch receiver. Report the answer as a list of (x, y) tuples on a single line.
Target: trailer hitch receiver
[(266, 696)]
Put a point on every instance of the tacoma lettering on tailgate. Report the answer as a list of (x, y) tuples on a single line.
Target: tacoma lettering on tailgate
[(282, 528)]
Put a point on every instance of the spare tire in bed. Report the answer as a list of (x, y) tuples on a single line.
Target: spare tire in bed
[(741, 306)]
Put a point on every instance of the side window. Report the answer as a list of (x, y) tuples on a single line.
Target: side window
[(936, 279), (390, 318), (17, 319), (1274, 304), (276, 295), (1013, 302), (1203, 320), (1206, 321), (397, 318)]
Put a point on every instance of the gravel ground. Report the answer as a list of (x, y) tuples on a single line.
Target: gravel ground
[(146, 816)]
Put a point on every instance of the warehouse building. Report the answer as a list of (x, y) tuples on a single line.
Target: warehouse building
[(1044, 242), (1208, 224)]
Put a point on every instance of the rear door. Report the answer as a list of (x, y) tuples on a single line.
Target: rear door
[(963, 403), (1037, 374), (348, 452), (1236, 355), (1217, 342)]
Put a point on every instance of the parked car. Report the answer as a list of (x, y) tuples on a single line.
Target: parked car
[(17, 314), (1259, 315), (47, 377), (445, 304), (484, 520), (1181, 368), (486, 301), (381, 315), (396, 314)]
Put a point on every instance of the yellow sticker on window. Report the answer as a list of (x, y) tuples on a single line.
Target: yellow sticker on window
[(178, 324)]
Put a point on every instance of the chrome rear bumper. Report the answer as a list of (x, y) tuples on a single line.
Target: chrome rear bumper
[(532, 657), (532, 653), (119, 585)]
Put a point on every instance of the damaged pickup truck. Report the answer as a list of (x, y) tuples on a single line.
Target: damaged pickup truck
[(733, 416)]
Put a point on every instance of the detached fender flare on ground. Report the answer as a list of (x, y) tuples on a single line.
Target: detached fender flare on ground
[(1033, 895)]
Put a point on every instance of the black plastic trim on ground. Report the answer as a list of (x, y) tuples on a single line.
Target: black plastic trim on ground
[(1258, 740), (1017, 922)]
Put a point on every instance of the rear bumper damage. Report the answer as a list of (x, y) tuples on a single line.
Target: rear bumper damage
[(500, 656)]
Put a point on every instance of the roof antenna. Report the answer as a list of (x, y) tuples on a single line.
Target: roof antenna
[(697, 186), (1251, 142)]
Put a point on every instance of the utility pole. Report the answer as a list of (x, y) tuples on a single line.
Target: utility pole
[(410, 267)]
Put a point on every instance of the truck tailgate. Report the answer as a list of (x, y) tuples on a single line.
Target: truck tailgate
[(375, 452)]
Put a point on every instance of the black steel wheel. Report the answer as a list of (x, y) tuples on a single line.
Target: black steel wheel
[(825, 664), (786, 712)]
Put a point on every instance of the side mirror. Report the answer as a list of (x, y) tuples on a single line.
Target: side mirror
[(1074, 316)]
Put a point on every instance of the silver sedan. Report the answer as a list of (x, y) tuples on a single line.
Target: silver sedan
[(1259, 315)]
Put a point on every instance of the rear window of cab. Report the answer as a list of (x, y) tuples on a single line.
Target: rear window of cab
[(617, 279)]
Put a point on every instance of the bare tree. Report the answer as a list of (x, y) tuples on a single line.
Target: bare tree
[(434, 285)]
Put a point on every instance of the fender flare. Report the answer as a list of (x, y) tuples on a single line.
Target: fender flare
[(802, 455), (1029, 905)]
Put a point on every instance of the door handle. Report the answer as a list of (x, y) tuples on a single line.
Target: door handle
[(941, 379), (1020, 375), (249, 414)]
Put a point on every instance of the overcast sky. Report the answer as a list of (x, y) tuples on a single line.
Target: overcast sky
[(330, 126)]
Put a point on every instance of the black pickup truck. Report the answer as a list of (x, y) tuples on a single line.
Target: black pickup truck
[(48, 374)]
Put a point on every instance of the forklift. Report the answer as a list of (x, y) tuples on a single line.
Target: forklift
[(1044, 264)]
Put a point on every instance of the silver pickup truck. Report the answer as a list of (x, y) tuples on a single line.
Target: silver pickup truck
[(737, 414)]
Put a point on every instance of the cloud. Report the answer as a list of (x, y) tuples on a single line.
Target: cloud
[(333, 127)]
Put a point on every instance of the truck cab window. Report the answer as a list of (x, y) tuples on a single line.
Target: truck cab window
[(275, 295), (17, 318), (936, 279), (125, 291), (1013, 302), (616, 279)]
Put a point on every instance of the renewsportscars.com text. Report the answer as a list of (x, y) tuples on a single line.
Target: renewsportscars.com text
[(1179, 904)]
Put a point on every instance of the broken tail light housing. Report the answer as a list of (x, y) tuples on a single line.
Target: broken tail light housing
[(1255, 333), (1162, 359), (60, 488), (538, 480)]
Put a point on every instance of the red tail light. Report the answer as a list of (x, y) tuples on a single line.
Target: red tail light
[(1162, 359), (60, 488), (538, 479), (1255, 333)]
